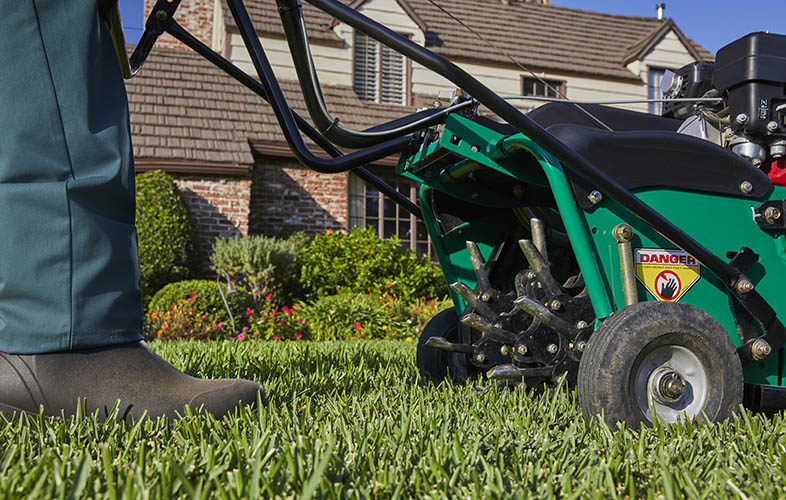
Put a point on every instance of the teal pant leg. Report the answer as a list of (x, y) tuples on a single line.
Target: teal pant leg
[(69, 273)]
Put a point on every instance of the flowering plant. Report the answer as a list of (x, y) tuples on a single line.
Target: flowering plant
[(181, 321), (270, 322)]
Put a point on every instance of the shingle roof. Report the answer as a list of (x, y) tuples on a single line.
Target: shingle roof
[(543, 37), (184, 108)]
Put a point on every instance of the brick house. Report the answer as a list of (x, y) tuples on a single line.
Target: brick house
[(222, 143)]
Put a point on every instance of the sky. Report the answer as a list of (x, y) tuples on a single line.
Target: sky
[(712, 23)]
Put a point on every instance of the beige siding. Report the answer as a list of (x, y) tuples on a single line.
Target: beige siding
[(670, 53), (219, 28)]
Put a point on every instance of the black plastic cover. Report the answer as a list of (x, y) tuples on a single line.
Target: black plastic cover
[(648, 159)]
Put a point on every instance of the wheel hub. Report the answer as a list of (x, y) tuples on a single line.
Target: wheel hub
[(667, 385)]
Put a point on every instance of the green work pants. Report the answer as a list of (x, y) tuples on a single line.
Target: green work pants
[(69, 272)]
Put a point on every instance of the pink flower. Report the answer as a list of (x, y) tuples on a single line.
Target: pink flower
[(249, 311), (275, 312), (302, 321), (220, 325), (202, 317), (286, 310), (268, 296), (298, 335), (278, 323), (255, 334), (245, 328), (275, 337), (229, 339), (241, 336)]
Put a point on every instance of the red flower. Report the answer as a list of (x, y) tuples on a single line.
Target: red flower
[(275, 337), (191, 297), (286, 310), (357, 326), (298, 335), (249, 311), (268, 296), (171, 308)]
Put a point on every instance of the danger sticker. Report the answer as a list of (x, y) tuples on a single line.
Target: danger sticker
[(666, 274)]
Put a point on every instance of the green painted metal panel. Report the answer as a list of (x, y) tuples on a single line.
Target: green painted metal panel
[(722, 224)]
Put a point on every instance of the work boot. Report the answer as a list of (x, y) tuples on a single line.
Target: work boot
[(129, 373)]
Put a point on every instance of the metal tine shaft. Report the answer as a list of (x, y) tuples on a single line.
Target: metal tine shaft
[(500, 372), (472, 299), (548, 318), (443, 344), (477, 266), (494, 333), (539, 236), (538, 264)]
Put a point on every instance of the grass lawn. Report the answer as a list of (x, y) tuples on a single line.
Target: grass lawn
[(351, 419)]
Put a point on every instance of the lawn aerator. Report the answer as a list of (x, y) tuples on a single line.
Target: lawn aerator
[(639, 257)]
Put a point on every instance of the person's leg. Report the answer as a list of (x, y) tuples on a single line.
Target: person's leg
[(70, 307)]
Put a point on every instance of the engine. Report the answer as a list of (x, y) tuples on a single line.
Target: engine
[(748, 78)]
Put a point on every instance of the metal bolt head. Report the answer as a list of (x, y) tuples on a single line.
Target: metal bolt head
[(595, 197), (771, 214), (504, 350), (522, 349), (745, 286), (671, 386), (622, 233), (555, 305), (772, 126), (161, 15), (486, 297), (760, 349), (581, 324), (480, 357), (552, 348), (746, 187), (436, 104), (777, 150), (742, 119), (581, 346), (531, 275), (475, 196), (475, 149)]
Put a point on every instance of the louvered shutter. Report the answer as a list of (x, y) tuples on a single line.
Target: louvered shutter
[(393, 73), (366, 64)]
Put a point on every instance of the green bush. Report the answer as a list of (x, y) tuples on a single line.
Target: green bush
[(362, 262), (167, 248), (206, 300), (351, 315), (261, 264)]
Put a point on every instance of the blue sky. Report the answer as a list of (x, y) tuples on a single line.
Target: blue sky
[(712, 23)]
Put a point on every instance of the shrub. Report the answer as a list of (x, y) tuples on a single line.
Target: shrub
[(362, 262), (206, 300), (420, 311), (261, 264), (167, 247), (350, 315), (270, 322)]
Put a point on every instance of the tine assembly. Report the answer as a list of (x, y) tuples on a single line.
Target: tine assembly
[(493, 332), (540, 266), (472, 299), (539, 237), (548, 318), (510, 372), (441, 343), (477, 266)]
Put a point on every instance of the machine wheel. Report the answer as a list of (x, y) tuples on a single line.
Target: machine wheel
[(434, 363), (672, 358)]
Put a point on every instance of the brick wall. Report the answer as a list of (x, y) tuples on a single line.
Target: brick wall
[(196, 16), (219, 206), (285, 195)]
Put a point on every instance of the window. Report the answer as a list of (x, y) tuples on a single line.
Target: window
[(536, 88), (370, 208), (380, 73), (653, 89)]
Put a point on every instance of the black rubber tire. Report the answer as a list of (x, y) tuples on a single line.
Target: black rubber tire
[(434, 363), (608, 365)]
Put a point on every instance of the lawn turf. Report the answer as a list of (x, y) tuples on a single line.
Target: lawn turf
[(352, 419)]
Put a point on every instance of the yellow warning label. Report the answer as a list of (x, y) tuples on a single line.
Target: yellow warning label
[(666, 274)]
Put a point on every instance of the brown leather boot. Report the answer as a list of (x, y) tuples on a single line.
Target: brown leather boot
[(129, 373)]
